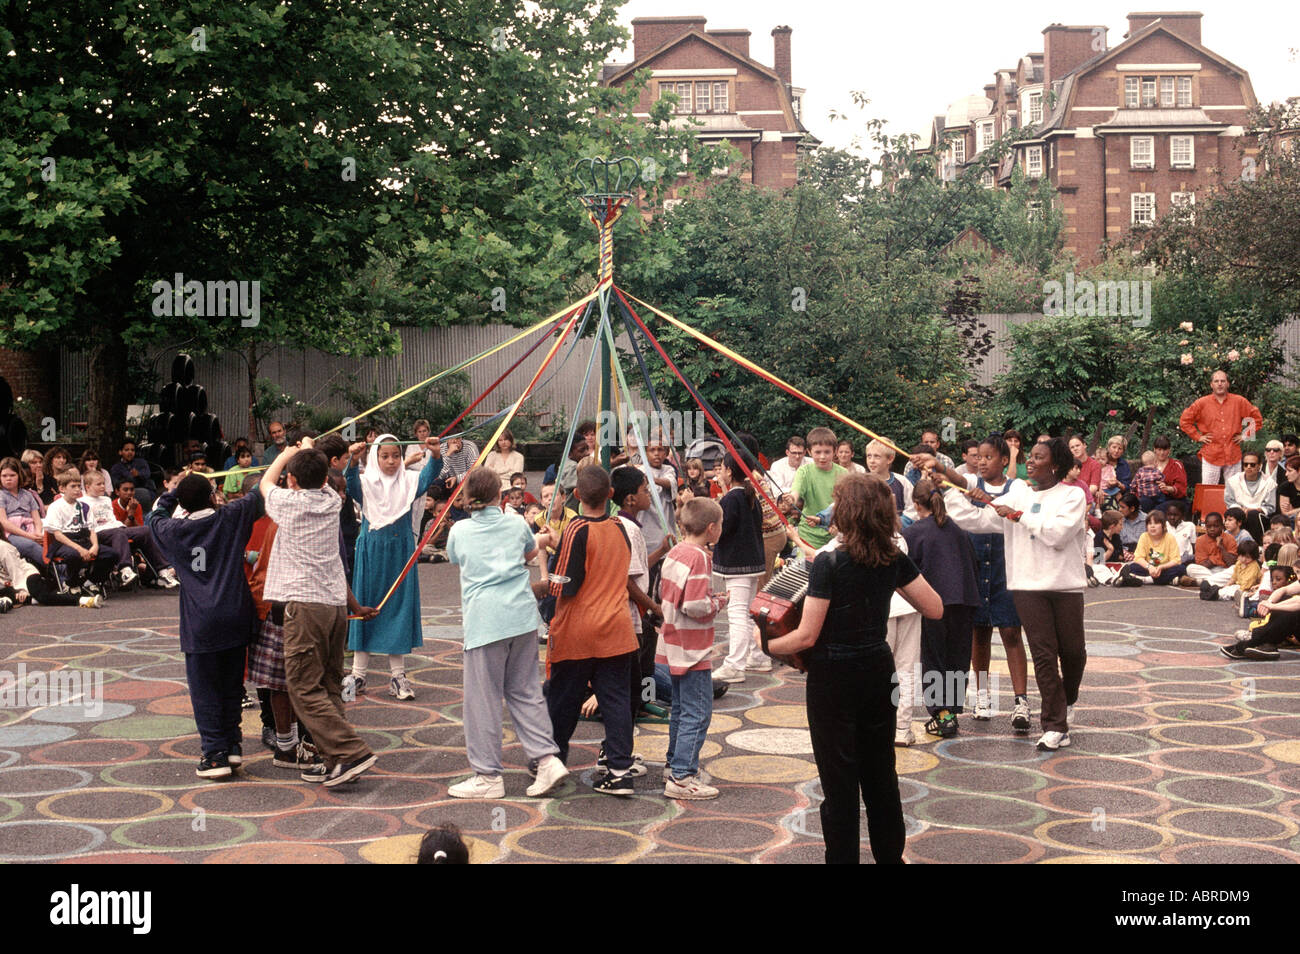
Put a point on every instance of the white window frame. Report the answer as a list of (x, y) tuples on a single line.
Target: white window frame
[(684, 91), (959, 150), (1035, 108), (1183, 95), (1033, 162), (1138, 162), (721, 97), (1184, 203), (1190, 161), (703, 97), (1033, 210), (1146, 202), (984, 135), (1166, 92), (1149, 85), (987, 179), (1132, 92)]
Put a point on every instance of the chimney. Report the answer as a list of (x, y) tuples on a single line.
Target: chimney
[(781, 53), (1186, 24), (1066, 47), (737, 41), (650, 33)]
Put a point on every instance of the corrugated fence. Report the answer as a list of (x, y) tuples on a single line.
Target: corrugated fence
[(311, 376)]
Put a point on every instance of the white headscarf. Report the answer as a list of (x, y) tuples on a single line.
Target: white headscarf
[(386, 500)]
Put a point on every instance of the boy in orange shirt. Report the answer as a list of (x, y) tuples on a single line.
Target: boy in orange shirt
[(591, 637)]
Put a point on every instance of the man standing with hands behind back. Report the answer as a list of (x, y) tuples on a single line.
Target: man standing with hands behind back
[(1218, 422)]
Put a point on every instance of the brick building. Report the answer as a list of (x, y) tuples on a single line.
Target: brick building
[(754, 107), (1126, 134)]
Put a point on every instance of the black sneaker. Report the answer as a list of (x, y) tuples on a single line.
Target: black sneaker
[(235, 755), (268, 738), (1269, 653), (215, 765), (1209, 593), (614, 785), (720, 689), (286, 758), (348, 771), (636, 770), (1236, 651), (316, 773)]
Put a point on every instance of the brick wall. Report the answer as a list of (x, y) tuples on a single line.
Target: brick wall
[(32, 375)]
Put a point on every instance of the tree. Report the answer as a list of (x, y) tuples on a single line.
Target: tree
[(364, 163)]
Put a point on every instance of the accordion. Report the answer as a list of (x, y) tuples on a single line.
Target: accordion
[(778, 607)]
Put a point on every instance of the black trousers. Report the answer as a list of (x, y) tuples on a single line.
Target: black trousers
[(41, 590), (1275, 630), (216, 693), (945, 658), (609, 678), (851, 716)]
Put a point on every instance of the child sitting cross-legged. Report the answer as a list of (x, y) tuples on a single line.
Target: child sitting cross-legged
[(1157, 559)]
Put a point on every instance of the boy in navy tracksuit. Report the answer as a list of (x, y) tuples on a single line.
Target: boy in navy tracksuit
[(218, 617)]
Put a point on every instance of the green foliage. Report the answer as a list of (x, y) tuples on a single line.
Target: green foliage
[(438, 403), (1029, 222)]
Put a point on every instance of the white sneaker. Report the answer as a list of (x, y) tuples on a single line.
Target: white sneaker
[(480, 786), (127, 576), (1051, 741), (400, 687), (762, 664), (904, 737), (688, 788), (167, 579), (1020, 715), (983, 706), (550, 773), (91, 602), (725, 673)]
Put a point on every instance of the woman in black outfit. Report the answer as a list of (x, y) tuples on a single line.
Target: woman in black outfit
[(851, 685)]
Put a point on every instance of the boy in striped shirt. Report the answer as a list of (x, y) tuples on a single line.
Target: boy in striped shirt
[(689, 606)]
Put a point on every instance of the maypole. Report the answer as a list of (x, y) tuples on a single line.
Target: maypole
[(608, 184)]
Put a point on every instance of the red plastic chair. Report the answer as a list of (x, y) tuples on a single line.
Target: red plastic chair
[(1207, 498)]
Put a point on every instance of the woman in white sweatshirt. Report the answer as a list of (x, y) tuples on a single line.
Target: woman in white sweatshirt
[(1045, 533)]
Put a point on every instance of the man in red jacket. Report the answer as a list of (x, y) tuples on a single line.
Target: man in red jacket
[(1219, 421)]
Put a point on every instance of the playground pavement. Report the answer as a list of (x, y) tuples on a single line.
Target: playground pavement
[(1179, 755)]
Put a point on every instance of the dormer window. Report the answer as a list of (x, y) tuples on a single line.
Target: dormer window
[(698, 96)]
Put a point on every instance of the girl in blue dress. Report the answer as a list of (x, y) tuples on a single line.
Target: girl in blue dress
[(387, 493)]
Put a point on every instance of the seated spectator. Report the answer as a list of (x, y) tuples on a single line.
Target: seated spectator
[(1107, 544), (1261, 641), (1234, 519), (520, 480), (1146, 483), (21, 514), (1278, 536), (33, 473), (970, 458), (1173, 478), (1254, 492), (119, 538), (56, 461), (844, 457), (131, 468), (1074, 478), (125, 507), (1089, 467), (1246, 574), (1116, 475), (1015, 442), (73, 538), (90, 464), (1184, 532), (233, 484), (232, 461), (781, 472), (21, 582), (1216, 553), (1134, 524), (1288, 491), (1274, 462), (1156, 559)]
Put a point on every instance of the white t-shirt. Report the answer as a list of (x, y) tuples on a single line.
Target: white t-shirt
[(650, 528), (101, 513), (67, 518), (782, 474), (638, 570)]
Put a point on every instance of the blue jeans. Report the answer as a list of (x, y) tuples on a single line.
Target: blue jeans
[(663, 683), (688, 725)]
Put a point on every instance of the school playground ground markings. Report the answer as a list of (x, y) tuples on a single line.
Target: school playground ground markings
[(1179, 755)]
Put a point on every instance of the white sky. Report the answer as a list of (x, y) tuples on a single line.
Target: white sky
[(913, 59)]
